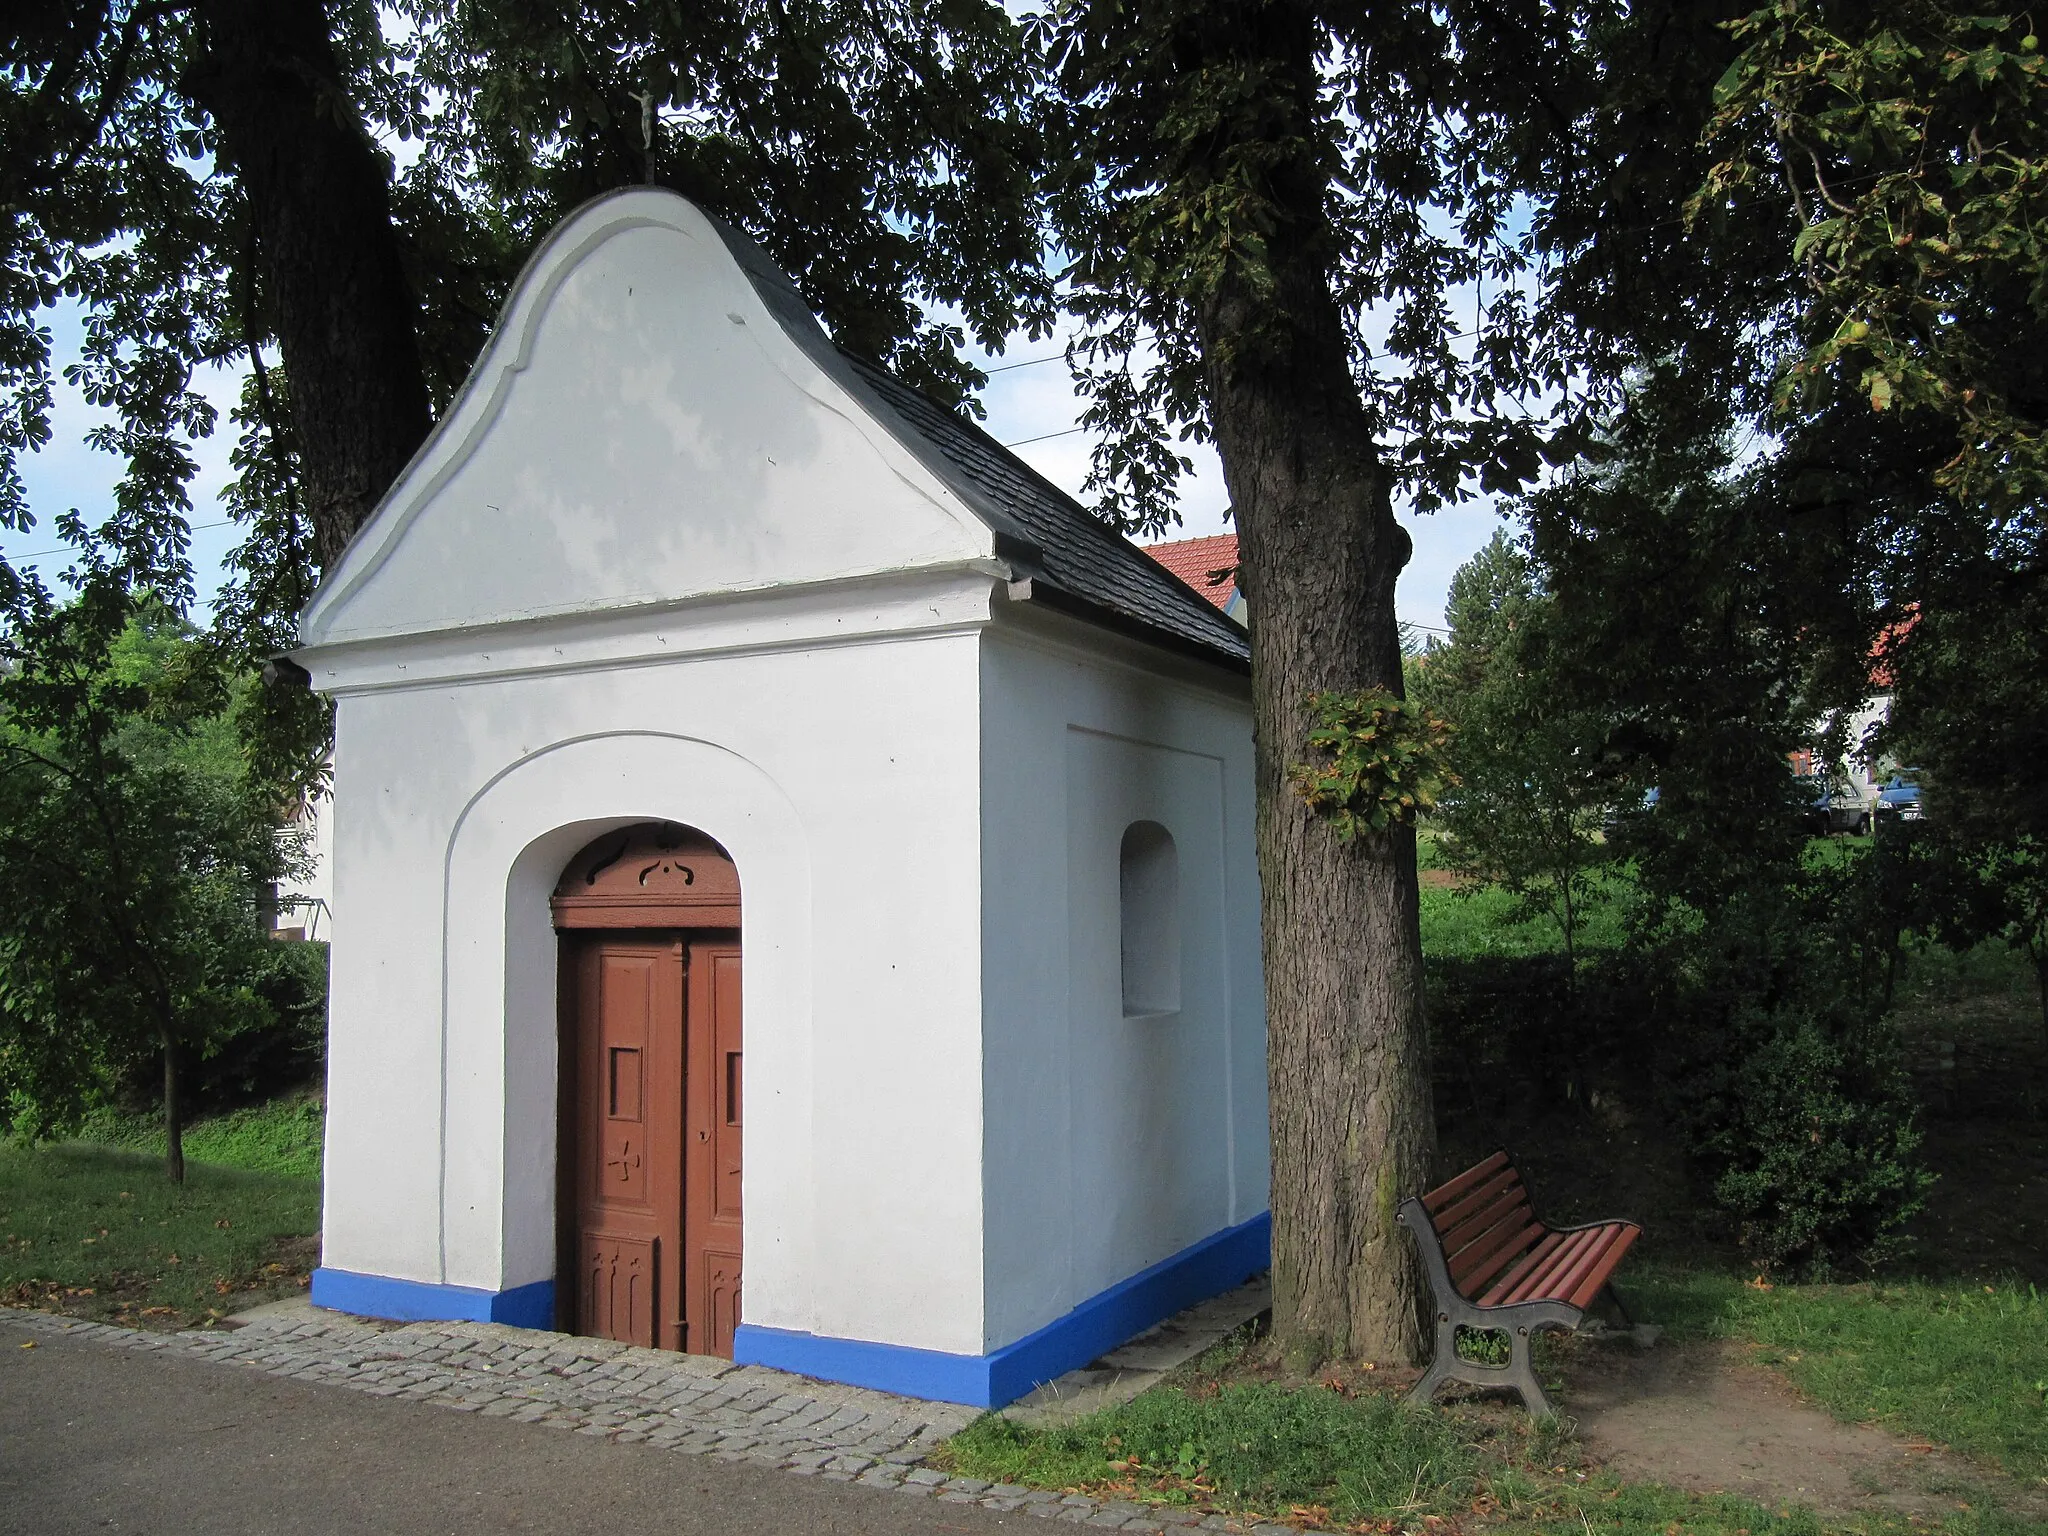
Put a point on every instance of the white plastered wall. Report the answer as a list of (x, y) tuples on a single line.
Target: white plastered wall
[(657, 562), (1111, 1143), (844, 781)]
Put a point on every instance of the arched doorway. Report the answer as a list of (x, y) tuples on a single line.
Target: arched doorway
[(648, 1156)]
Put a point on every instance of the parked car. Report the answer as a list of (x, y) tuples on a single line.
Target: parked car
[(1834, 807), (1611, 822), (1900, 797)]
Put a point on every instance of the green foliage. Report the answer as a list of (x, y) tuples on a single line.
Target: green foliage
[(133, 846), (1381, 761), (1758, 1031), (1200, 151), (78, 1219), (886, 154), (1973, 713), (1811, 1132), (1472, 921), (1531, 779), (1912, 139), (1954, 1362), (1682, 629), (1484, 1346)]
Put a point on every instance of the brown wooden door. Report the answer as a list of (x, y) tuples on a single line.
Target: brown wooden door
[(711, 1151), (625, 1239), (651, 1150)]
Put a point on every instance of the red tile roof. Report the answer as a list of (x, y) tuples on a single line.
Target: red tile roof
[(1197, 562)]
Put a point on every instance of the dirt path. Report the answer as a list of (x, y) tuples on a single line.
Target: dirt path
[(1702, 1418)]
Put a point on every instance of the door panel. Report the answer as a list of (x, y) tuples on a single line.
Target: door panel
[(712, 1176), (625, 1095), (616, 1282)]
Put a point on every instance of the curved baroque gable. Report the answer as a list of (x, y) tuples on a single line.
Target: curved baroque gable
[(642, 428)]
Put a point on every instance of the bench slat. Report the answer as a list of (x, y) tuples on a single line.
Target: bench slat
[(1478, 1266), (1538, 1279), (1589, 1287), (1545, 1287), (1444, 1194), (1514, 1275), (1472, 1215), (1569, 1279), (1480, 1236)]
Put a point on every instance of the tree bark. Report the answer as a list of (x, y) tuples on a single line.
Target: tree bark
[(328, 255), (174, 1114), (1319, 550)]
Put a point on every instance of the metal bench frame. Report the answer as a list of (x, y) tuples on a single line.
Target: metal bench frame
[(1518, 1320)]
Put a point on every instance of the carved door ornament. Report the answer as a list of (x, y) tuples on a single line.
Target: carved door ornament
[(655, 875)]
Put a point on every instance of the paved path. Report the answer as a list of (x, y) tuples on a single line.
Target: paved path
[(110, 1428)]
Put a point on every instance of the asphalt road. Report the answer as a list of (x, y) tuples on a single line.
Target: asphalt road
[(100, 1439)]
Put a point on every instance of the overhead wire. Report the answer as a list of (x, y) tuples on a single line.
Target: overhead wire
[(72, 549)]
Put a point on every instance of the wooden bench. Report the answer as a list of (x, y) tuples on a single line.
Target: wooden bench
[(1494, 1266)]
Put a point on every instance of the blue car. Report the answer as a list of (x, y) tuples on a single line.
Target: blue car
[(1900, 798)]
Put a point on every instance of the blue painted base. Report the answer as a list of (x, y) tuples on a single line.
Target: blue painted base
[(416, 1301), (1094, 1328)]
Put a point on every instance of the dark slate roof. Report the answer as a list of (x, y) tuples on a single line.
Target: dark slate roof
[(1074, 561), (1076, 555)]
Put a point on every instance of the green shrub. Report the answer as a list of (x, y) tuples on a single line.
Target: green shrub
[(1815, 1151), (280, 1048)]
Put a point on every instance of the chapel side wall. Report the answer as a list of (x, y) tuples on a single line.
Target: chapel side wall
[(1111, 1143), (844, 780), (380, 1187)]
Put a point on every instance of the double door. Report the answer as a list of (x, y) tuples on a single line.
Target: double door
[(650, 1153)]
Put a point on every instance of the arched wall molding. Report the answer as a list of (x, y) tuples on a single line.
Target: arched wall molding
[(481, 401), (499, 1036)]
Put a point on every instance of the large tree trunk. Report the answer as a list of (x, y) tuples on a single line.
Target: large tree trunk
[(327, 254), (1348, 1083)]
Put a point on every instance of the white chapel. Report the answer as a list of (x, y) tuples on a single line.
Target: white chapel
[(797, 866)]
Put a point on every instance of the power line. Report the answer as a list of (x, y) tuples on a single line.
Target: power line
[(1029, 362), (72, 549), (1044, 437)]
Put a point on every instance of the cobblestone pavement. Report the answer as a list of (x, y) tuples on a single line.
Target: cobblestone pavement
[(687, 1403)]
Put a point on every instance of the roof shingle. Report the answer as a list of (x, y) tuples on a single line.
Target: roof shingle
[(1208, 565)]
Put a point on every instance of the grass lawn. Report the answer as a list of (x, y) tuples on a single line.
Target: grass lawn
[(283, 1136), (1952, 1345), (1361, 1461), (1468, 920), (98, 1231), (1963, 1363)]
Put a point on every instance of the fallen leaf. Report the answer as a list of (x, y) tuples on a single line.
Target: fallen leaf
[(31, 1344)]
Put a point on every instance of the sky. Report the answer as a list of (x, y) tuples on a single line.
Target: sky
[(1031, 407)]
